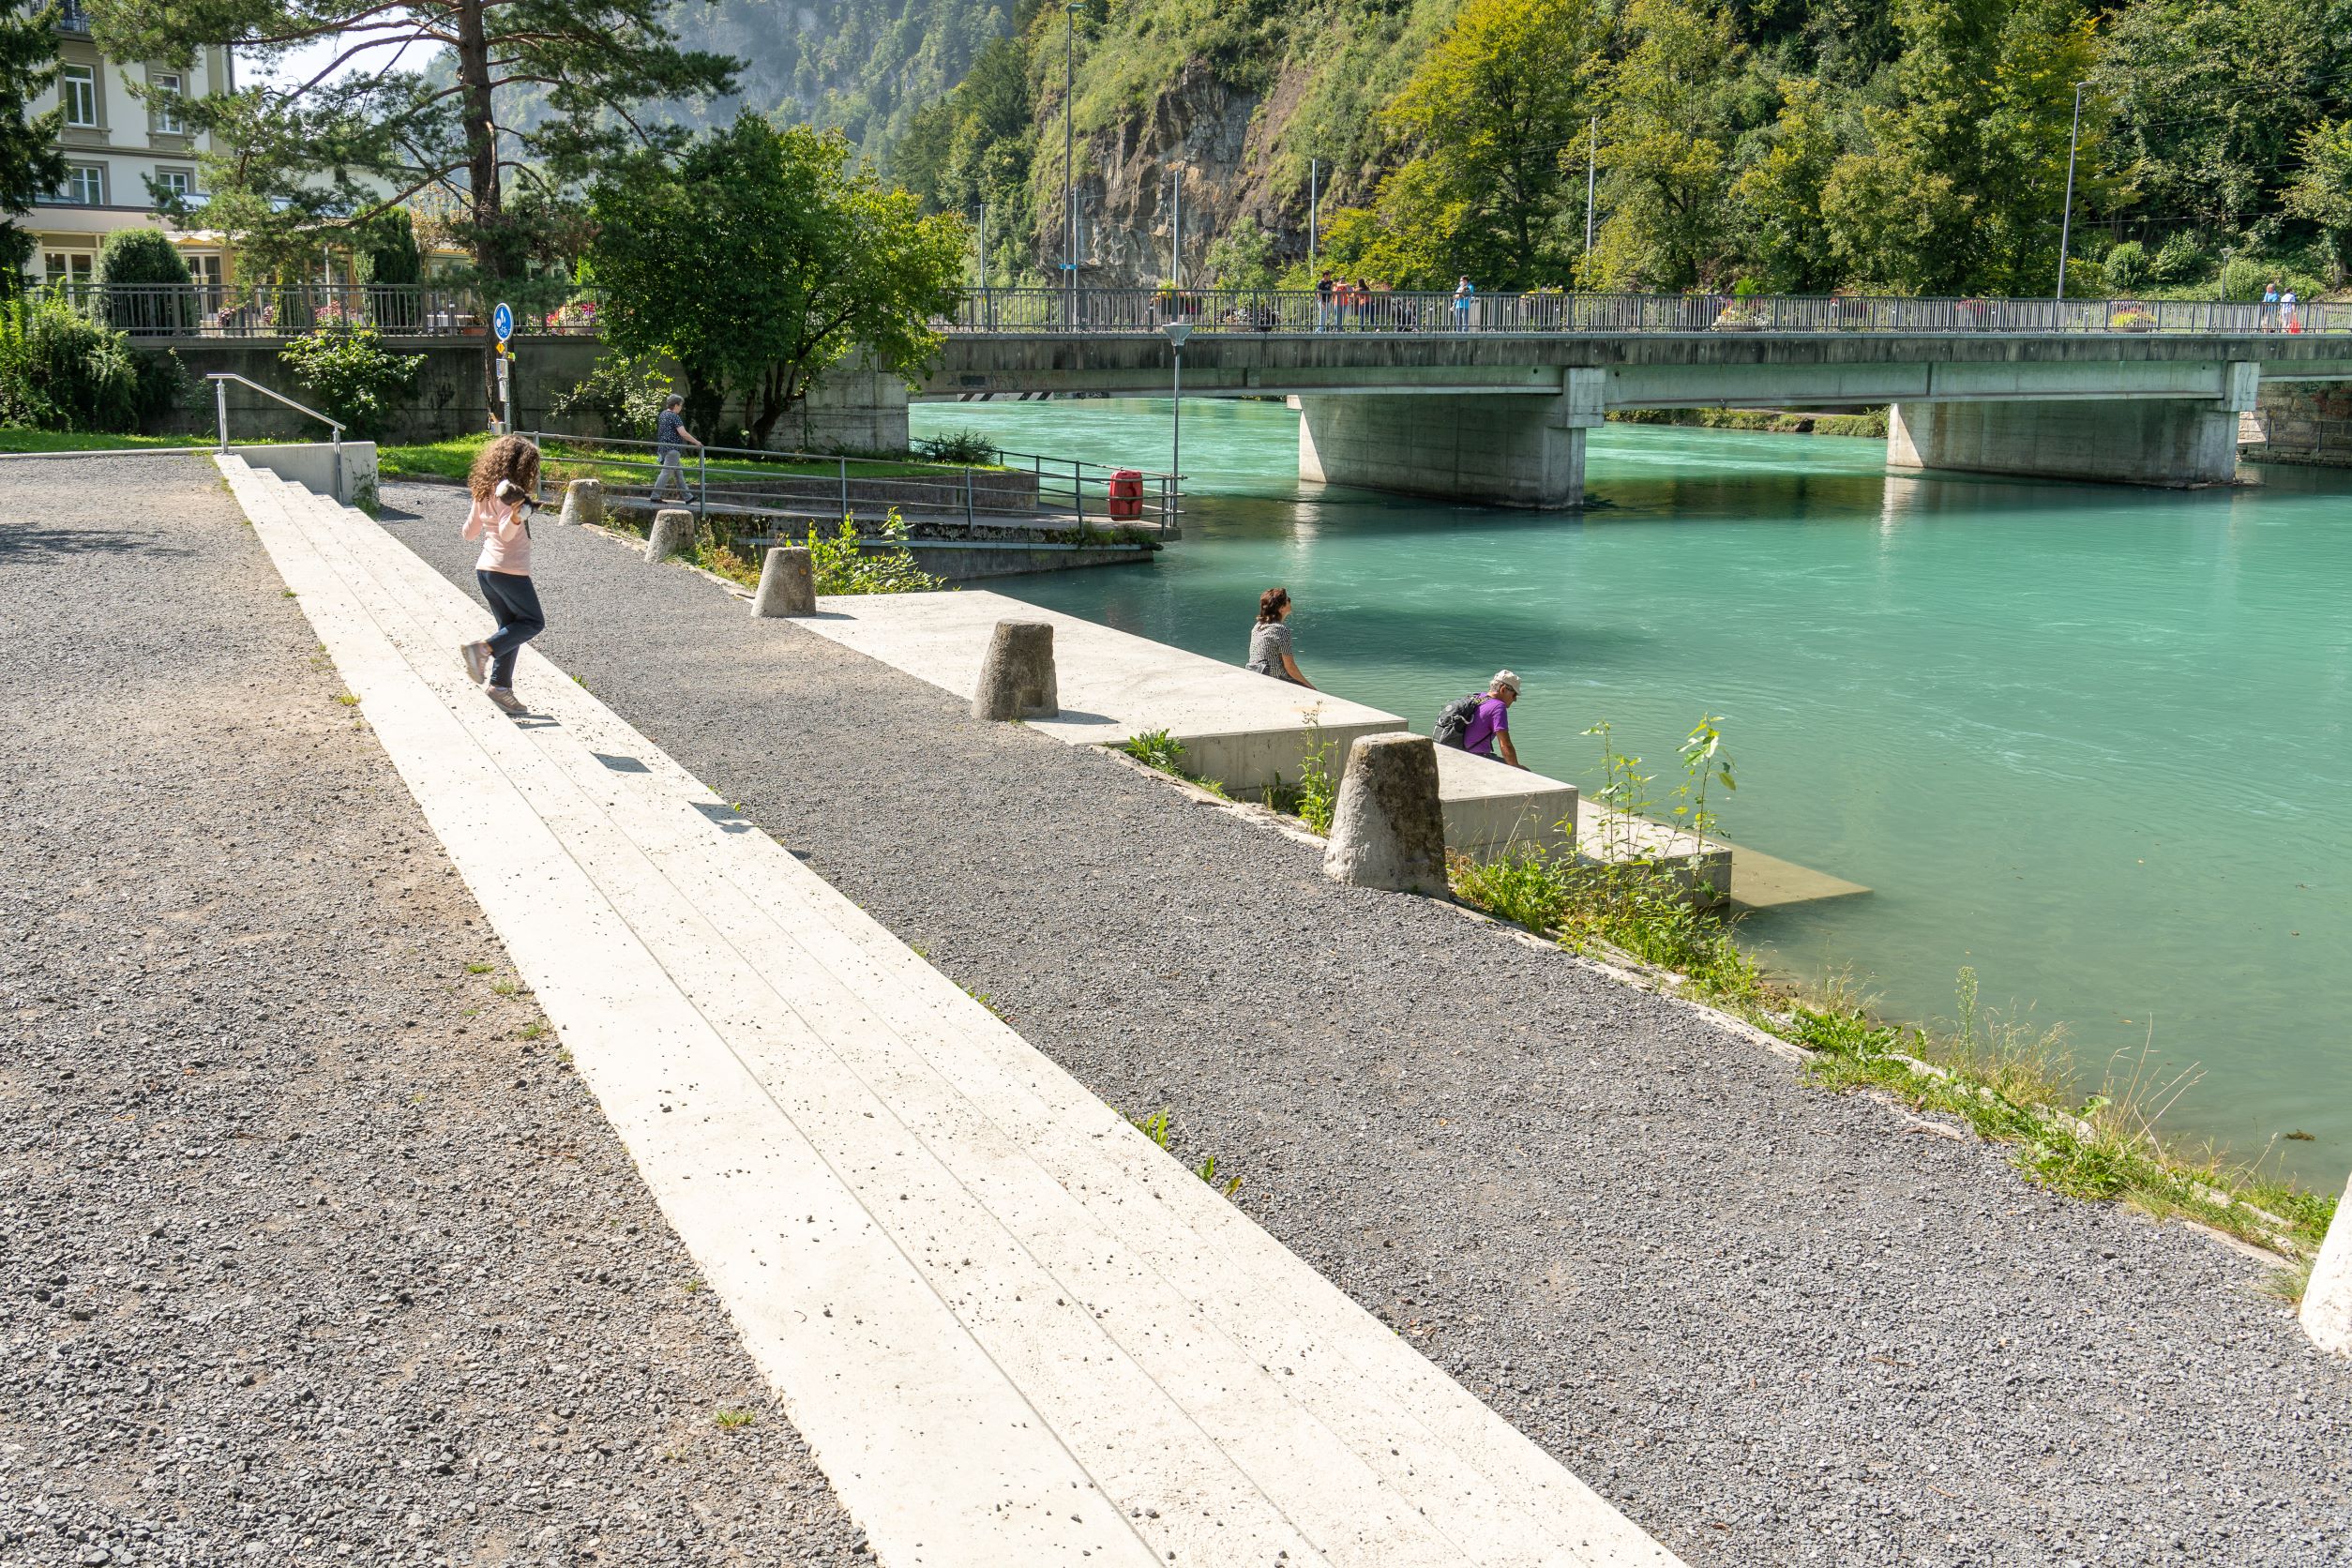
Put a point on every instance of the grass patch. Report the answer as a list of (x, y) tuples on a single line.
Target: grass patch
[(731, 1419), (347, 699), (1315, 795), (1156, 1128), (479, 969), (15, 438)]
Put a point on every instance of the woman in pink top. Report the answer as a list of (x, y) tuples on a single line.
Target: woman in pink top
[(505, 486)]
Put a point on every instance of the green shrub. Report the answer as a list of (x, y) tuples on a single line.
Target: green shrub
[(2084, 279), (623, 393), (2244, 277), (2127, 264), (840, 566), (2179, 259), (140, 257), (62, 370), (969, 447), (350, 374)]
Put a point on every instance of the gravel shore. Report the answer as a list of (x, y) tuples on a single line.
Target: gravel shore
[(1774, 1324), (313, 1249)]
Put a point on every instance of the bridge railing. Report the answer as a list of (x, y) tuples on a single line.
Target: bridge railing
[(429, 310), (1092, 312)]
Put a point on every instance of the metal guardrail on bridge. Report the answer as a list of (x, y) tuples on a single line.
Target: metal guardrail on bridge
[(279, 310)]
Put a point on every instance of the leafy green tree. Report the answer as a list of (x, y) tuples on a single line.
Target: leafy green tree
[(1778, 196), (30, 163), (760, 257), (2322, 191), (1487, 114), (352, 374), (1960, 185), (1666, 145), (366, 132)]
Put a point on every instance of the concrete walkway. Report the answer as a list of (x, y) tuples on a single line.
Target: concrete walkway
[(1772, 1324), (1011, 1329)]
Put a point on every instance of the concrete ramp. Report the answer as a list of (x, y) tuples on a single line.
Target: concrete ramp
[(1013, 1332)]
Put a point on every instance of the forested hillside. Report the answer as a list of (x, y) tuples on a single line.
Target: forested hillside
[(1790, 145)]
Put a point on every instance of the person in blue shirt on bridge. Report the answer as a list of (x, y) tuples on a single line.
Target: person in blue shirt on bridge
[(1463, 293)]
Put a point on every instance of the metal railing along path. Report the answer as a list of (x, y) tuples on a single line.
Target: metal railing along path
[(1015, 489), (429, 310), (221, 380)]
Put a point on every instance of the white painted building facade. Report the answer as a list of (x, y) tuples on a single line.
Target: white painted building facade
[(115, 143)]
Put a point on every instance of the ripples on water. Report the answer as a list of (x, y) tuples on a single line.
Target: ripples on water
[(2090, 741)]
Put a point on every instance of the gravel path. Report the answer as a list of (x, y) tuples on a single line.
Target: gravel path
[(1774, 1324), (313, 1251)]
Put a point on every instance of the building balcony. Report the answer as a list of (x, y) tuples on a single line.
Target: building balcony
[(72, 19)]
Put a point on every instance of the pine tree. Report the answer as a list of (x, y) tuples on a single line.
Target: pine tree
[(31, 165)]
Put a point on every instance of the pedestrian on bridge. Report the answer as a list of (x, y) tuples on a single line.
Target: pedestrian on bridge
[(1463, 294), (1322, 300), (505, 486), (670, 433), (1269, 640)]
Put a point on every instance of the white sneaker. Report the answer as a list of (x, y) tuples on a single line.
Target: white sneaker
[(504, 697), (476, 656)]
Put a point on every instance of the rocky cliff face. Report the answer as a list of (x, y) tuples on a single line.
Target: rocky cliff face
[(1218, 140)]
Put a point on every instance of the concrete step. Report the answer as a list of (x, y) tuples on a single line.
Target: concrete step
[(920, 1166)]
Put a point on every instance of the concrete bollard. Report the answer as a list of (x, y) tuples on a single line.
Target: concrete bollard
[(583, 503), (2328, 1299), (1016, 678), (1387, 829), (673, 534), (788, 584)]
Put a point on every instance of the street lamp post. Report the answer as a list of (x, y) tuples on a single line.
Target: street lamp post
[(1177, 332), (1069, 168), (2066, 218)]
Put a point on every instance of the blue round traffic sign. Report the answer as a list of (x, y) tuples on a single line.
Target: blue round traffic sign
[(503, 321)]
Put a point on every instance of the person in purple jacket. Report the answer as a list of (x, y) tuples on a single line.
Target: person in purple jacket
[(1489, 732)]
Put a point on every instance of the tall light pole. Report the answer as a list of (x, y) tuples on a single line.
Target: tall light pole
[(1592, 169), (1313, 197), (2066, 218), (1069, 167), (1177, 332)]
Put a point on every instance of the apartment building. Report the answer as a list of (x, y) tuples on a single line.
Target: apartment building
[(115, 145)]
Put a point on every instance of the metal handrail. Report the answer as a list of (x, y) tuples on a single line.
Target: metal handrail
[(220, 406)]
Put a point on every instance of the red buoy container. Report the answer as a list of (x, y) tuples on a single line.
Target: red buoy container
[(1126, 494)]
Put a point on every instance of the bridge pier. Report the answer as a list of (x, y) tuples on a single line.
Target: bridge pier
[(1509, 450), (2170, 442)]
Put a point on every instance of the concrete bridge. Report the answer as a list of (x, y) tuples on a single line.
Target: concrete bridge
[(1500, 415)]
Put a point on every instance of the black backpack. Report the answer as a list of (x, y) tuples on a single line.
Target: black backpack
[(1453, 720)]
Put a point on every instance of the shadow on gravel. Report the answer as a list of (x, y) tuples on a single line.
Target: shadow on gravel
[(19, 545)]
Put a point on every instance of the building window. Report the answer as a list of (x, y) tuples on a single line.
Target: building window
[(84, 187), (77, 89), (174, 183), (167, 105), (67, 267)]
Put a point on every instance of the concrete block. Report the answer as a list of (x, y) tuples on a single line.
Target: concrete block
[(673, 534), (2174, 442), (1388, 830), (1492, 809), (2326, 1312), (583, 503), (311, 465), (788, 584), (1016, 678)]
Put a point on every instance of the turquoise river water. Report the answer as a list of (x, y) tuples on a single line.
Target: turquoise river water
[(2089, 742)]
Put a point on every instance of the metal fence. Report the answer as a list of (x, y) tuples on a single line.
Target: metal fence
[(290, 310), (278, 310), (1086, 311), (1015, 494)]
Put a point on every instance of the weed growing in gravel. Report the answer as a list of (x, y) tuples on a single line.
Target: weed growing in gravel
[(733, 1418), (1315, 795), (479, 969), (2288, 1281), (347, 700), (982, 997), (1157, 748), (506, 988), (531, 1031), (1156, 1126)]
